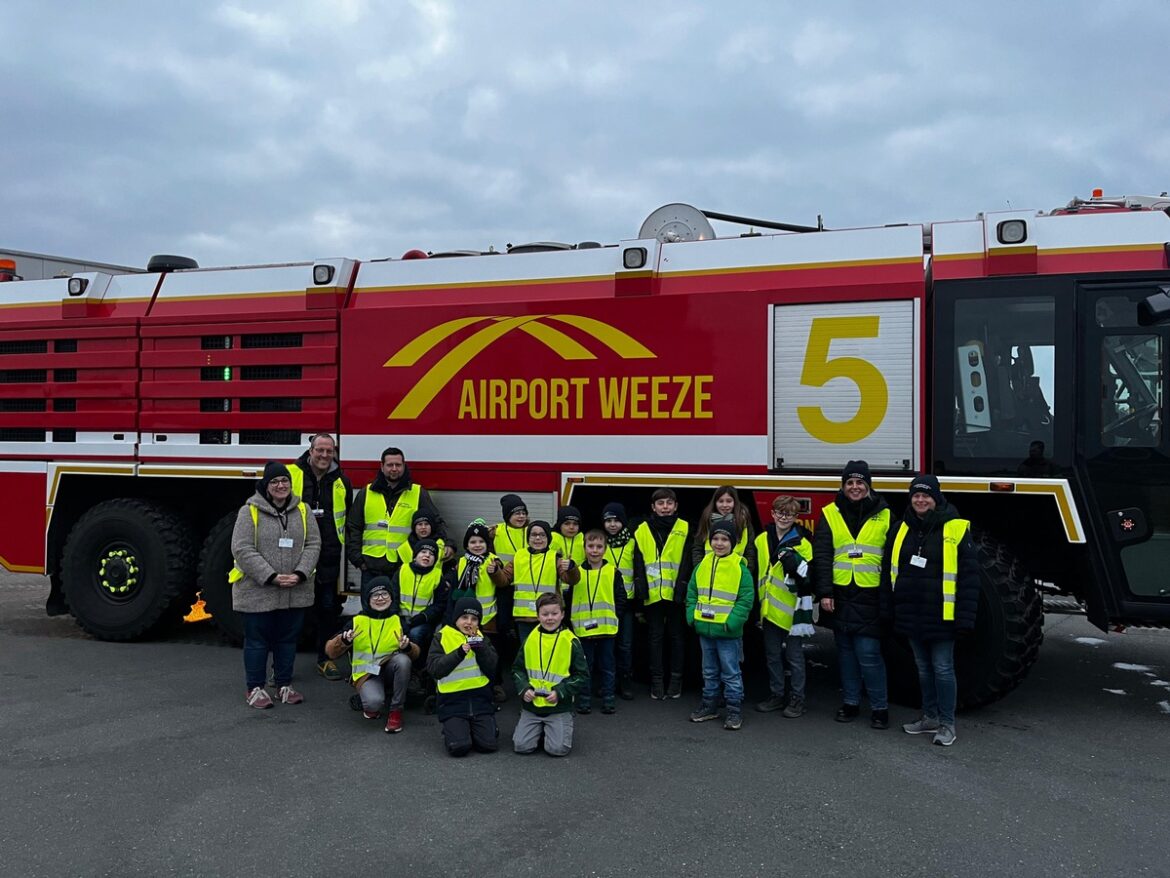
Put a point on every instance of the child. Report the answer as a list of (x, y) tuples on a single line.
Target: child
[(597, 603), (422, 527), (567, 541), (479, 574), (662, 559), (422, 590), (784, 552), (549, 672), (462, 662), (719, 599), (725, 505), (511, 534), (382, 653), (619, 551), (535, 570)]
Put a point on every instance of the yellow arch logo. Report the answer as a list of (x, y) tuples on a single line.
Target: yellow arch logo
[(565, 346)]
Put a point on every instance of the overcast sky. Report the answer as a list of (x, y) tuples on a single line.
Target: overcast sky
[(241, 132)]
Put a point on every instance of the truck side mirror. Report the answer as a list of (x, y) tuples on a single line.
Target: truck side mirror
[(1155, 309)]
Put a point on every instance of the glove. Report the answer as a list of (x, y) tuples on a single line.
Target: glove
[(790, 561)]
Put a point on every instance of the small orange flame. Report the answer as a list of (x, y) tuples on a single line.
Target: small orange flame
[(198, 610)]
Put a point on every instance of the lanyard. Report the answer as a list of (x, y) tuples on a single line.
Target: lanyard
[(591, 595), (544, 666), (711, 582), (543, 557), (569, 545), (376, 640)]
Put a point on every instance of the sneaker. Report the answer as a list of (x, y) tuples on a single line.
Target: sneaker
[(609, 706), (289, 695), (584, 709), (674, 690), (945, 736), (924, 725), (394, 722), (371, 714), (355, 702), (847, 713), (625, 689), (499, 696), (772, 703), (259, 698), (704, 712), (429, 705), (329, 671), (656, 690), (879, 719), (795, 707), (733, 722)]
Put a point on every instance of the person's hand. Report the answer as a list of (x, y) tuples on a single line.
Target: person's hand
[(827, 604), (349, 635), (562, 565), (287, 580), (551, 698), (448, 553), (529, 694), (404, 643), (492, 566), (466, 648)]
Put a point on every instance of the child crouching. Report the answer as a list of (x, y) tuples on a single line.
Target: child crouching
[(382, 653), (549, 672), (462, 662)]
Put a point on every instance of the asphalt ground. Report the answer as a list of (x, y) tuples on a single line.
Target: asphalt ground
[(142, 759)]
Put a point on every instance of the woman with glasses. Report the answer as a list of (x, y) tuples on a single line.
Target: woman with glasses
[(275, 544), (783, 553)]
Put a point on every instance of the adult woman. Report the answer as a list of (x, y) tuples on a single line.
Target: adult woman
[(934, 570), (276, 551), (725, 506)]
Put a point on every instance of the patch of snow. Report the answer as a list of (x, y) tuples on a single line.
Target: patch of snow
[(1163, 683), (1116, 691), (1164, 706), (1126, 666), (1089, 641)]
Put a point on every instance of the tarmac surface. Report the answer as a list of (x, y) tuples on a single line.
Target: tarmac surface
[(142, 759)]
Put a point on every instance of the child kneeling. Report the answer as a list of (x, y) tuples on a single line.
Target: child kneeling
[(382, 653), (549, 672), (462, 662)]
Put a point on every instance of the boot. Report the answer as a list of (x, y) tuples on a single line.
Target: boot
[(674, 690), (847, 713), (656, 690), (626, 688), (879, 719), (733, 719)]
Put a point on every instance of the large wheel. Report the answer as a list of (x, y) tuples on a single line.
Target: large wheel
[(1009, 627), (124, 564), (215, 562)]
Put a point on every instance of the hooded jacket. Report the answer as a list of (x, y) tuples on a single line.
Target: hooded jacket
[(864, 611), (918, 603), (256, 549), (355, 523), (467, 702)]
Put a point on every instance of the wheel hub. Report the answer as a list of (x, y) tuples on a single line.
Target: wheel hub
[(118, 572)]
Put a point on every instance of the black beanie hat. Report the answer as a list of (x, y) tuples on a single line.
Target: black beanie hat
[(543, 525), (427, 543), (568, 513), (509, 503), (926, 484), (725, 527), (378, 583), (478, 529), (857, 469), (615, 510), (468, 606), (273, 470), (421, 515)]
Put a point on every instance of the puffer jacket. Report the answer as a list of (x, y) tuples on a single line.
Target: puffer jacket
[(918, 599), (864, 611), (256, 549)]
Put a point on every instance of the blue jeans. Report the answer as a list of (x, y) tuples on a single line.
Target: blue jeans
[(860, 658), (273, 632), (783, 652), (721, 666), (936, 679), (599, 653), (625, 641)]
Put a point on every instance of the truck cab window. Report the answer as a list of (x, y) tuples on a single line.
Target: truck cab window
[(1131, 390)]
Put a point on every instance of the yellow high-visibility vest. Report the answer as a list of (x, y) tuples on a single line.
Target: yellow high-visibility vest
[(776, 589), (384, 534), (953, 533), (509, 540), (417, 591), (406, 551), (548, 660), (661, 569), (236, 574), (593, 612), (467, 674), (572, 548), (623, 559), (532, 576), (339, 497), (374, 641), (717, 586), (485, 589), (858, 560)]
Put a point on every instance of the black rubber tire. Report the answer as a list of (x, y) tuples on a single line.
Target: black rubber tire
[(1009, 628), (159, 540), (215, 562)]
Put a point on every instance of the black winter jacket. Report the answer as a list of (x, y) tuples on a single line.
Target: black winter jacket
[(318, 496), (469, 702), (660, 528), (864, 611), (918, 591), (355, 523)]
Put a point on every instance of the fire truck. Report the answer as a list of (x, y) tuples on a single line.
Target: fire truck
[(1020, 356)]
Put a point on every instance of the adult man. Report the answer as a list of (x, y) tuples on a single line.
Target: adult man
[(318, 480), (380, 517)]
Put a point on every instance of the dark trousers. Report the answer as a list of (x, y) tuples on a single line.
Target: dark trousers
[(326, 608), (274, 632), (666, 618), (599, 655), (462, 734)]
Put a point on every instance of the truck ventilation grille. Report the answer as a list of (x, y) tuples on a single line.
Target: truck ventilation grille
[(215, 405), (23, 376), (65, 375), (215, 342), (21, 434), (270, 437), (269, 404), (272, 340), (22, 405), (64, 435), (64, 405), (270, 373), (65, 346), (24, 347)]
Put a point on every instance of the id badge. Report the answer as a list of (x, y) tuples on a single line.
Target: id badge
[(856, 554), (590, 625), (317, 513), (918, 561), (708, 614), (285, 542), (383, 525)]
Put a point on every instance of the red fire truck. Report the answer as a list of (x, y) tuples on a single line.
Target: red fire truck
[(1020, 356)]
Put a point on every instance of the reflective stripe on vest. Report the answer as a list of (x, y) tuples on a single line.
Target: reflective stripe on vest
[(485, 589), (623, 560), (717, 587), (339, 497), (236, 574), (467, 674), (381, 537), (594, 612), (508, 541), (661, 569), (953, 533), (532, 576), (572, 548), (548, 659), (776, 589), (864, 570), (417, 592), (739, 546), (374, 641)]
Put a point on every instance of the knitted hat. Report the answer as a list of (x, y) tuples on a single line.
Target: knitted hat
[(421, 515), (374, 586), (468, 606), (427, 545), (927, 484), (542, 525), (724, 527), (477, 529), (273, 470), (857, 469), (510, 504), (568, 513), (615, 510)]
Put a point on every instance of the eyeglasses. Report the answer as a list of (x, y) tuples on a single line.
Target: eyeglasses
[(783, 514), (280, 481)]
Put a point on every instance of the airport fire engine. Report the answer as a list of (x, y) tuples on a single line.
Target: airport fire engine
[(1020, 356)]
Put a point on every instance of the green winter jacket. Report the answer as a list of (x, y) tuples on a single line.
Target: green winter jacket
[(733, 627)]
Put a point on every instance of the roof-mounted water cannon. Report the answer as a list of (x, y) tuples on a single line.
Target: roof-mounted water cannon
[(682, 222), (164, 263)]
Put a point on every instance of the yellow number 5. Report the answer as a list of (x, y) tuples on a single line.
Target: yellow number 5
[(818, 370)]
